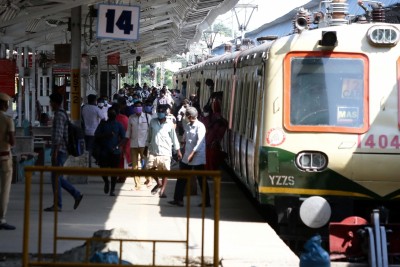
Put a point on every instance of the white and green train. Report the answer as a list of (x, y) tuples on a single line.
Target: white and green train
[(315, 113)]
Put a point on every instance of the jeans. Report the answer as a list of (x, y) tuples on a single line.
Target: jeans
[(62, 183)]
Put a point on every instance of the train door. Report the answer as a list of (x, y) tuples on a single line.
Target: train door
[(251, 128), (244, 107)]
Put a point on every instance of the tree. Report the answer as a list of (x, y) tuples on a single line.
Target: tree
[(222, 29)]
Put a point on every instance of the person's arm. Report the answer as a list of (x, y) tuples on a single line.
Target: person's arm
[(59, 123), (128, 129), (11, 133), (175, 143)]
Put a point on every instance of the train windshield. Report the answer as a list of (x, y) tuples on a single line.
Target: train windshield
[(327, 92)]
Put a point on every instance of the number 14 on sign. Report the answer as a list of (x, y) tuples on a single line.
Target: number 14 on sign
[(118, 22)]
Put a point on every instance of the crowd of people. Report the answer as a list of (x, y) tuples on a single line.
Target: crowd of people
[(141, 128)]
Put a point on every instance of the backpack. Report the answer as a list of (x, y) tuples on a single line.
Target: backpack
[(75, 141)]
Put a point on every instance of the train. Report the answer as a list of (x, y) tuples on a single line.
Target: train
[(314, 118)]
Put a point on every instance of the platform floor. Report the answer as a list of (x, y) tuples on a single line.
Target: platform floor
[(245, 238)]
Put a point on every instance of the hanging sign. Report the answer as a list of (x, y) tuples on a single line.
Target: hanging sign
[(118, 22), (113, 59)]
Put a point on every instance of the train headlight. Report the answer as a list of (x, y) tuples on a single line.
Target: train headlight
[(311, 161), (383, 35)]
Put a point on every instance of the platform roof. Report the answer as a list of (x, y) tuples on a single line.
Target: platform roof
[(167, 27)]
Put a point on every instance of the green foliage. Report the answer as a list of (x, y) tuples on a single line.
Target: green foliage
[(131, 77), (222, 29)]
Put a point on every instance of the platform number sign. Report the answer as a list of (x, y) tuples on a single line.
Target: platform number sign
[(118, 22)]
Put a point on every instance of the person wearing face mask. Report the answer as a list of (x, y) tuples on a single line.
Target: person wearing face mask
[(148, 108), (110, 135), (160, 141), (91, 117), (181, 118), (101, 104), (194, 157), (136, 134)]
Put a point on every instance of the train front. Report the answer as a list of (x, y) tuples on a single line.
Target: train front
[(336, 136)]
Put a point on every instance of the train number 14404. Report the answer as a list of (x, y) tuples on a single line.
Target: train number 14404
[(381, 141)]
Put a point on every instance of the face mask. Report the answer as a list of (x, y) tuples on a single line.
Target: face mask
[(130, 99), (135, 100), (161, 115), (148, 109), (100, 105), (137, 110), (105, 102), (205, 114)]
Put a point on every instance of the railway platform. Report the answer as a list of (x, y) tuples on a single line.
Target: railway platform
[(245, 239)]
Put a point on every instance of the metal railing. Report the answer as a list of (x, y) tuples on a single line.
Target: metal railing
[(183, 174)]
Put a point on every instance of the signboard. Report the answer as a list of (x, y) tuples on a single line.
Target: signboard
[(113, 59), (7, 76), (61, 68), (118, 22)]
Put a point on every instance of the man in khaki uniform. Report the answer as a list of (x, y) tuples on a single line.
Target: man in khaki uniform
[(7, 140)]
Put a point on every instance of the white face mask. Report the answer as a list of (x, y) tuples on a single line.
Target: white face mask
[(205, 114), (100, 105)]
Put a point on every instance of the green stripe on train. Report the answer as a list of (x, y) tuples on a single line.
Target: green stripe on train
[(280, 176)]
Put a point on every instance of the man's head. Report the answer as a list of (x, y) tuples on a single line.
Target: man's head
[(191, 114), (162, 111), (100, 102), (56, 100), (185, 102), (111, 113), (137, 107), (91, 99), (163, 92), (4, 100), (210, 82)]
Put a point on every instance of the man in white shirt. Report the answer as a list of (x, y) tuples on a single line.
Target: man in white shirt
[(138, 126), (194, 157), (91, 116), (160, 140)]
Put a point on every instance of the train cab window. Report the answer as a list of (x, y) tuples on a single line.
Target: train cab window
[(326, 93)]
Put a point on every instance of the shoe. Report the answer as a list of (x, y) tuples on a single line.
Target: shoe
[(176, 203), (147, 183), (163, 196), (6, 226), (201, 205), (155, 189), (77, 201), (106, 188), (112, 194), (52, 208)]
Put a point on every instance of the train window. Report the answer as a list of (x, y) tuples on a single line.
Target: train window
[(226, 102), (326, 93), (237, 109), (244, 104), (253, 104)]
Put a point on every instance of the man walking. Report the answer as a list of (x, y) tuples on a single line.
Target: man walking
[(138, 126), (194, 157), (7, 140), (91, 115), (59, 135), (160, 139)]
